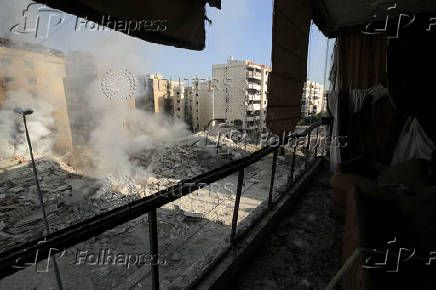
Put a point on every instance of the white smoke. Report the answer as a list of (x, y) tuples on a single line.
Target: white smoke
[(40, 125), (123, 133), (117, 131)]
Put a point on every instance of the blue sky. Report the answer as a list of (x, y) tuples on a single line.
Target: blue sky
[(240, 29)]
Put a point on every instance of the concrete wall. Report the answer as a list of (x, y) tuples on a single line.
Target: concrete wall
[(41, 75)]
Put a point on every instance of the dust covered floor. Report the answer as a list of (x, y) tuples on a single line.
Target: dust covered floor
[(304, 252)]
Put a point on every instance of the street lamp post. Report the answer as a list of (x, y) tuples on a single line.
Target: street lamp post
[(24, 113)]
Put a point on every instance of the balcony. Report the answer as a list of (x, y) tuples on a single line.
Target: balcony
[(253, 107), (252, 118), (254, 75), (254, 86), (254, 97)]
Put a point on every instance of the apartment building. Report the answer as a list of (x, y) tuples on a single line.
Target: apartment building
[(198, 104), (236, 93), (312, 99), (39, 72), (168, 96), (240, 94), (189, 101)]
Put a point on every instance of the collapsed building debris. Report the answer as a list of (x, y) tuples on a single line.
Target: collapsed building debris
[(70, 197)]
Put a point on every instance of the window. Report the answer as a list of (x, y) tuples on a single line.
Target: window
[(28, 64), (178, 109), (178, 101), (9, 79), (196, 94), (31, 81), (5, 62), (196, 102)]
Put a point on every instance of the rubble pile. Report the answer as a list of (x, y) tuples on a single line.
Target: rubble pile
[(70, 197), (199, 220), (20, 209), (176, 162)]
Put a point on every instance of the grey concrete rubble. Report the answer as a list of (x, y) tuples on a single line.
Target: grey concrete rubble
[(188, 228)]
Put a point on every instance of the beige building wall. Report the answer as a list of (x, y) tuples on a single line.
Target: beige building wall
[(199, 99), (41, 75), (164, 94), (191, 104), (177, 95)]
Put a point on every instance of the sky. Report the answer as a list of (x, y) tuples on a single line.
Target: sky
[(240, 29)]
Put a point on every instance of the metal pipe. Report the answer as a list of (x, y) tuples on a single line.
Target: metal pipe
[(307, 150), (293, 161), (273, 172), (236, 209), (218, 143), (317, 142), (154, 248)]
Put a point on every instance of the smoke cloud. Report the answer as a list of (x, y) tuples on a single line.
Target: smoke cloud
[(113, 129), (12, 136)]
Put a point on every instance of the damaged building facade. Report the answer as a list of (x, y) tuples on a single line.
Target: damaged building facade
[(31, 71)]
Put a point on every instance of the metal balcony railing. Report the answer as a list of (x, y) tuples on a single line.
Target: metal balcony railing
[(18, 257)]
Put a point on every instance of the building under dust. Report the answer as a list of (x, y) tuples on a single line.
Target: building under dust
[(39, 72)]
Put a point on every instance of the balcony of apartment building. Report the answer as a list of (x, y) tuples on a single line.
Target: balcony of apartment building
[(253, 95), (253, 73), (253, 106), (252, 116), (254, 86)]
